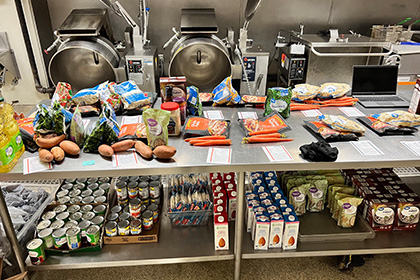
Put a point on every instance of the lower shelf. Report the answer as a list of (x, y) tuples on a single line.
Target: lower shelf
[(176, 245)]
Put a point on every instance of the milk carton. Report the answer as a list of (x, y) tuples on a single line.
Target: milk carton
[(291, 231), (262, 232), (221, 232), (276, 230)]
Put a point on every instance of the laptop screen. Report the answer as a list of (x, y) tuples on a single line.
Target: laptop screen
[(374, 79)]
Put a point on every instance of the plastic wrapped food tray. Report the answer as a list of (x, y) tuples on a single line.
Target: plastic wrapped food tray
[(189, 218)]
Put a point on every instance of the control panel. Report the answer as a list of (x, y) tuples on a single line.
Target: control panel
[(297, 68), (135, 71), (250, 64)]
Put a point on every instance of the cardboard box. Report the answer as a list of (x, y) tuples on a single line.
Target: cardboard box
[(276, 230), (150, 236), (408, 212), (262, 232), (380, 213), (231, 205), (291, 231), (221, 232)]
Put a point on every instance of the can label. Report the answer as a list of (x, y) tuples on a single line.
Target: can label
[(93, 236), (132, 193), (48, 241), (144, 193), (122, 193), (111, 232), (154, 192), (135, 213), (155, 216), (148, 223), (74, 241), (59, 241), (36, 251), (124, 230), (135, 230)]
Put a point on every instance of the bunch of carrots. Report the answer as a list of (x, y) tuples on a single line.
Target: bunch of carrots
[(265, 136), (216, 140), (316, 104)]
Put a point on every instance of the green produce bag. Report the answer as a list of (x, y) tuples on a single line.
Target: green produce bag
[(278, 100)]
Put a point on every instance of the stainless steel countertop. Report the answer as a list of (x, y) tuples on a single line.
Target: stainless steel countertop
[(315, 40), (245, 157)]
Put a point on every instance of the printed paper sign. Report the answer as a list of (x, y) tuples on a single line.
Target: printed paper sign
[(277, 153), (311, 113), (413, 146), (124, 158), (131, 120), (34, 164), (220, 156), (247, 115), (366, 148), (214, 115), (351, 112)]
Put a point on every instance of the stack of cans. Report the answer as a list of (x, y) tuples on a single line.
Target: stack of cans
[(84, 190)]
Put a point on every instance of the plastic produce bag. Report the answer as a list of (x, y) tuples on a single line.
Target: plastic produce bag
[(111, 97), (89, 96), (193, 102), (51, 120), (62, 94), (224, 93), (77, 130), (278, 100), (131, 96)]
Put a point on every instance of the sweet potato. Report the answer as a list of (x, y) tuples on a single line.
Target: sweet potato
[(144, 150), (123, 145), (58, 153), (164, 152), (70, 147), (105, 150), (48, 143), (45, 155)]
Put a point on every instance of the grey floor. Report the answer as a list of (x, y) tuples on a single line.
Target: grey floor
[(393, 266)]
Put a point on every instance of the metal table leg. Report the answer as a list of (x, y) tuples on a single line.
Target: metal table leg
[(239, 223), (11, 234)]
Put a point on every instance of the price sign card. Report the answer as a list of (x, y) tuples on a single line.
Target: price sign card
[(277, 153), (413, 146), (247, 115), (220, 156), (34, 164), (351, 112), (366, 148), (124, 158), (131, 120), (311, 113), (214, 115)]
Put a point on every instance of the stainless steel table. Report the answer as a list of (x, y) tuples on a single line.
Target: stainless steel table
[(196, 244)]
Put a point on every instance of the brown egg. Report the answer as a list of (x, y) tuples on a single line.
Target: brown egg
[(222, 243), (261, 242), (291, 241), (276, 239)]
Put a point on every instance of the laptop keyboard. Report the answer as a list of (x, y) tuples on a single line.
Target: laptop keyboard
[(380, 98)]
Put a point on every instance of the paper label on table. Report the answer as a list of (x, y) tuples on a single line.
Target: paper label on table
[(124, 158), (277, 153), (366, 148), (311, 113), (131, 120), (88, 163), (34, 164), (85, 124), (220, 156), (247, 115), (351, 112), (214, 115), (413, 146)]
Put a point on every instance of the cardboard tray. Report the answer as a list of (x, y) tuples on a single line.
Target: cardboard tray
[(150, 236)]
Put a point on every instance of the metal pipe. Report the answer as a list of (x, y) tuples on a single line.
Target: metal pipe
[(351, 54), (11, 234), (239, 223)]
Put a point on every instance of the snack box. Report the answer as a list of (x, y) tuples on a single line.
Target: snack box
[(291, 231), (221, 232), (276, 230), (380, 212), (408, 212), (232, 205), (262, 232)]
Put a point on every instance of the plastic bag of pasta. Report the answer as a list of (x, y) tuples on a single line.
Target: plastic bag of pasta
[(224, 93), (303, 92), (333, 90), (399, 118), (341, 123)]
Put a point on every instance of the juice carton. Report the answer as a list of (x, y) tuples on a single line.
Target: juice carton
[(291, 231), (276, 230), (221, 232), (262, 232)]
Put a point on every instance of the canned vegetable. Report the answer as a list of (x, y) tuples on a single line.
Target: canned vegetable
[(124, 228), (76, 199), (135, 227), (105, 187), (154, 189), (98, 192), (147, 218), (92, 180), (88, 216), (43, 225), (59, 236), (144, 190), (83, 225), (100, 199), (73, 209), (76, 216), (60, 208), (99, 209), (98, 220), (63, 216), (86, 193), (124, 217), (67, 187), (93, 235), (36, 251), (88, 199), (57, 224), (86, 208), (69, 180), (135, 208), (103, 180), (79, 187), (70, 224), (75, 193), (155, 209), (93, 187), (113, 217), (111, 229), (62, 193), (81, 180), (64, 200), (133, 190), (46, 236), (49, 215), (116, 209), (73, 238)]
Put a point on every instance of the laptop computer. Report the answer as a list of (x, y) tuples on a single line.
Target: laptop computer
[(376, 86)]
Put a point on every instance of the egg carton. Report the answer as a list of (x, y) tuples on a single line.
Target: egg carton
[(406, 171)]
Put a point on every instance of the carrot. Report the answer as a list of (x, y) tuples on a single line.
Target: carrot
[(213, 137), (265, 140), (271, 135), (225, 142), (266, 131)]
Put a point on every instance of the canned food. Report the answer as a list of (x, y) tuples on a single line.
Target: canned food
[(147, 218), (133, 190), (79, 186), (144, 178), (36, 251), (98, 220), (70, 224), (43, 225), (93, 187), (154, 189), (73, 238), (75, 192), (67, 187), (145, 202), (123, 203), (126, 209), (92, 180), (144, 190), (62, 193), (133, 178), (103, 180), (86, 193), (86, 208), (124, 217), (49, 215), (100, 199), (154, 178), (57, 224), (123, 179), (105, 187), (121, 188), (81, 180), (88, 199), (135, 227), (116, 209), (73, 209), (76, 216), (60, 208), (63, 216), (98, 192), (76, 199), (63, 200), (111, 229), (124, 228), (155, 209), (155, 200), (143, 208), (93, 235), (135, 208), (88, 216), (83, 225), (99, 209), (46, 236), (59, 237), (113, 217), (69, 180)]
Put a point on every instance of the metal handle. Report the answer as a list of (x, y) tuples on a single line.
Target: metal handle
[(198, 57), (351, 54)]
